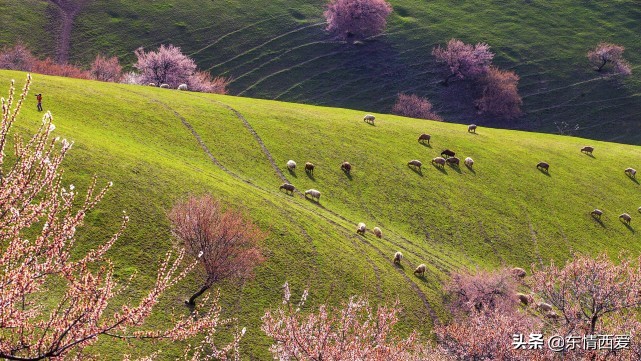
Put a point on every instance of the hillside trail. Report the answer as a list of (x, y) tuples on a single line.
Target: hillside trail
[(69, 9)]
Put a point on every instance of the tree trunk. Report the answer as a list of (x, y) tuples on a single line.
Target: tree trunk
[(192, 299), (602, 65)]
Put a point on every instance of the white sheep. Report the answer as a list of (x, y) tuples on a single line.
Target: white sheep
[(313, 193), (152, 84), (420, 270), (518, 272), (291, 165), (398, 257), (597, 213), (361, 228), (369, 119), (378, 232), (631, 172), (469, 162), (164, 86), (625, 217), (182, 87)]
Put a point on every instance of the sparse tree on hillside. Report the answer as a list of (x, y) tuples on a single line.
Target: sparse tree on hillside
[(224, 241), (464, 61), (17, 57), (414, 106), (606, 53), (38, 222), (202, 81), (500, 95), (354, 332), (357, 18), (167, 65), (106, 69)]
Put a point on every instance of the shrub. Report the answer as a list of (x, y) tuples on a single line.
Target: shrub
[(106, 69), (464, 61), (414, 106), (357, 18), (500, 95)]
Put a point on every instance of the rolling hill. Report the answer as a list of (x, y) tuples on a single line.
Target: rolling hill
[(279, 50), (159, 145)]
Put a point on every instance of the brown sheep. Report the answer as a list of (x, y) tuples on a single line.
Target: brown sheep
[(626, 218), (439, 161), (398, 256), (631, 172), (518, 272), (587, 149), (346, 167), (420, 270), (369, 119), (543, 166), (309, 167), (288, 188), (596, 213), (447, 153), (424, 137), (415, 163), (471, 128), (525, 299), (377, 232), (542, 306), (453, 161)]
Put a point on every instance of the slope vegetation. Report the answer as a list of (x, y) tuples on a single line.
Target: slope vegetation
[(159, 145)]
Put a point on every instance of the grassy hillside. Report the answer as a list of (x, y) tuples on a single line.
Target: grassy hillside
[(279, 50), (504, 212)]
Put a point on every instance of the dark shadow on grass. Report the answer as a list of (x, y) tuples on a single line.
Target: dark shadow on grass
[(590, 155), (456, 168), (310, 175), (348, 174), (427, 145), (441, 169), (372, 124), (633, 179), (312, 200), (544, 172), (629, 227), (470, 169), (599, 221), (399, 266), (292, 173), (423, 278), (416, 170)]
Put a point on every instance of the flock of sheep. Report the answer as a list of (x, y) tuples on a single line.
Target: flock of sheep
[(166, 86), (447, 157)]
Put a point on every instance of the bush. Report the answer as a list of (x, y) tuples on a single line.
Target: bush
[(414, 106), (357, 18)]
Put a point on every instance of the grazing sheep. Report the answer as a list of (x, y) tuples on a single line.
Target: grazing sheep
[(415, 163), (164, 86), (361, 228), (398, 257), (424, 137), (182, 87), (346, 167), (471, 128), (152, 84), (453, 161), (309, 167), (552, 315), (287, 187), (518, 272), (291, 165), (631, 172), (420, 270), (439, 161), (587, 149), (596, 213), (543, 166), (378, 232), (447, 153), (542, 306), (369, 119), (469, 162), (525, 299), (639, 209), (626, 218), (314, 194)]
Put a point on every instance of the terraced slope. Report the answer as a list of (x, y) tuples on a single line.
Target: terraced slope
[(160, 145), (278, 50)]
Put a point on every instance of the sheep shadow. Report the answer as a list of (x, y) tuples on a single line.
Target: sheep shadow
[(590, 155), (347, 174), (456, 168), (470, 169), (426, 145), (547, 173), (441, 169), (292, 173), (629, 227), (399, 266), (416, 170), (599, 221), (310, 175), (633, 179), (372, 124), (313, 201)]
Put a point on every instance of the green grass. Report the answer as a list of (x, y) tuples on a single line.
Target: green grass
[(504, 213), (279, 50)]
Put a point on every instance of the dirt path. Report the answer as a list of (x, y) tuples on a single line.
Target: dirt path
[(69, 9)]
